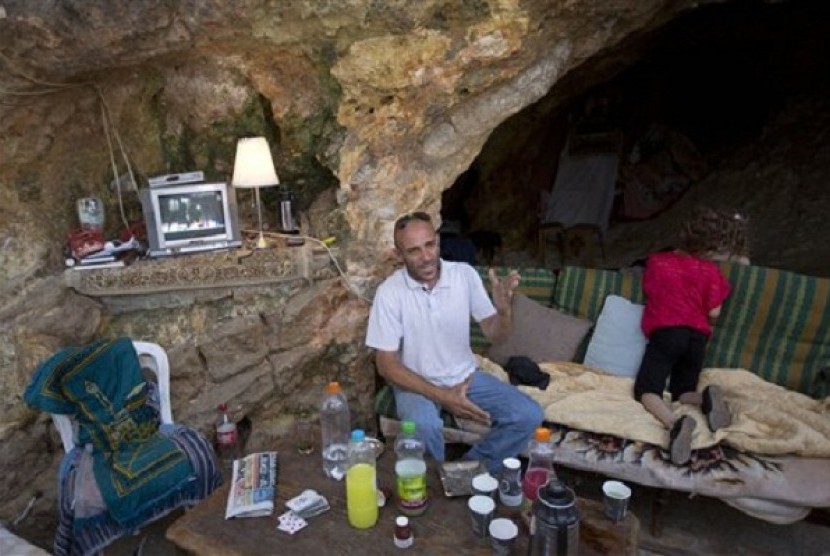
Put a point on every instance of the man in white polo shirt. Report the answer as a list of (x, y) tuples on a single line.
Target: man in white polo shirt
[(419, 326)]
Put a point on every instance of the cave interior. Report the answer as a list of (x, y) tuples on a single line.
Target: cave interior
[(681, 108)]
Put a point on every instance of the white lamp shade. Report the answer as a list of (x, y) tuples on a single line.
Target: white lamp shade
[(254, 166)]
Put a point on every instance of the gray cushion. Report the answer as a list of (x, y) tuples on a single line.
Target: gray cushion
[(540, 333)]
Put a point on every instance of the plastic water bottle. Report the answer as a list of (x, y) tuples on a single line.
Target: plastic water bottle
[(410, 471), (361, 483), (227, 437), (335, 423), (539, 466)]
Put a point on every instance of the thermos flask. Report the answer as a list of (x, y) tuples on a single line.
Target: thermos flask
[(288, 221), (554, 525)]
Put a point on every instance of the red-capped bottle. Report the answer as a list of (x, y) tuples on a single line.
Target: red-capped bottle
[(227, 437), (539, 466)]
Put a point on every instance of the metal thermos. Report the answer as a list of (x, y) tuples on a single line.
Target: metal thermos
[(288, 223), (554, 525)]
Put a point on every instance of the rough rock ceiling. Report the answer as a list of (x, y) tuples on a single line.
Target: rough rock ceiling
[(394, 99), (376, 106), (717, 90)]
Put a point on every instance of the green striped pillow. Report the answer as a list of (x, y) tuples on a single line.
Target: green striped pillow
[(775, 323), (582, 291)]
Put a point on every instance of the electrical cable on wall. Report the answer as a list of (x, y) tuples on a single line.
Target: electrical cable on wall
[(109, 127), (54, 87), (106, 120), (325, 243)]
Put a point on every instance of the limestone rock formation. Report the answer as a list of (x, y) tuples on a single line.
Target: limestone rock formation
[(372, 110)]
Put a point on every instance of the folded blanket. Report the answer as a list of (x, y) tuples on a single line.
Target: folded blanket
[(767, 419), (136, 468), (98, 529)]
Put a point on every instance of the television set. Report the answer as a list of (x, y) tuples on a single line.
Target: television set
[(190, 217)]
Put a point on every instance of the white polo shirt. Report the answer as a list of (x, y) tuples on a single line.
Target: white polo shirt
[(430, 329)]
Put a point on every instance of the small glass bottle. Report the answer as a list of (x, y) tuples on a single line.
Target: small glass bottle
[(510, 486), (227, 437), (403, 533)]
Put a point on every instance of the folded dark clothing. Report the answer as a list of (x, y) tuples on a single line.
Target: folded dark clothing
[(523, 370)]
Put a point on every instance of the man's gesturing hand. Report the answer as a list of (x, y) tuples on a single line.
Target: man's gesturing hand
[(503, 290), (455, 401)]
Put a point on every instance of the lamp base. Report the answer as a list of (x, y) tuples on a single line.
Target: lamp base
[(261, 243)]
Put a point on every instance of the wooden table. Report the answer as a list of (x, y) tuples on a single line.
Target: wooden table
[(444, 529)]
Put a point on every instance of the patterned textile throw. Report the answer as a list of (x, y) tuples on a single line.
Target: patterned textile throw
[(97, 533), (101, 385)]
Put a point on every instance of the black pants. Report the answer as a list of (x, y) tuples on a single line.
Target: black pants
[(676, 352)]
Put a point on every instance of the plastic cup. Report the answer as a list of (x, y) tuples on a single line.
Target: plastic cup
[(485, 485), (503, 534), (616, 496), (303, 434), (481, 513)]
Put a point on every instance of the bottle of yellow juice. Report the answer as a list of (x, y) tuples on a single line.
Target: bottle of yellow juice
[(361, 483)]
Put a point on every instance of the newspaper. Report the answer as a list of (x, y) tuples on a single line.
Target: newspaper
[(253, 486)]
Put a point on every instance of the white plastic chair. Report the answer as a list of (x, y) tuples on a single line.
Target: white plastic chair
[(150, 356)]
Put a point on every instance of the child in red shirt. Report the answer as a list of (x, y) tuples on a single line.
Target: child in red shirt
[(684, 293)]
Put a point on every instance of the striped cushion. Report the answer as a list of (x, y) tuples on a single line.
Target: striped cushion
[(775, 323), (536, 283), (582, 291)]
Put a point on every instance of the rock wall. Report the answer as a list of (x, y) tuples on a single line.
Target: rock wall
[(371, 108)]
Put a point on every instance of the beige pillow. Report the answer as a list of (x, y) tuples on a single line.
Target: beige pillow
[(540, 333)]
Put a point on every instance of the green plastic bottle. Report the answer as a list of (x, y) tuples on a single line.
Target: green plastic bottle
[(410, 471)]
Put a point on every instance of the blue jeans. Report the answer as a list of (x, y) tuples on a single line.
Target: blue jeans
[(513, 418)]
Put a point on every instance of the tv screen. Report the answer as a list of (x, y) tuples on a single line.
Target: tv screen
[(190, 217)]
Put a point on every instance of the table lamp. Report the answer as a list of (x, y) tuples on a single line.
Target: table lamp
[(254, 167)]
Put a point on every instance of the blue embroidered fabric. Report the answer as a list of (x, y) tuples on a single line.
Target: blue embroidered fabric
[(102, 386)]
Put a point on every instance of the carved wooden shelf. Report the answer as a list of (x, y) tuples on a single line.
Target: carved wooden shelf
[(216, 269)]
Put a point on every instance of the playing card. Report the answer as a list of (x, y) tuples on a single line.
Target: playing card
[(315, 509), (308, 504), (304, 500), (291, 522)]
